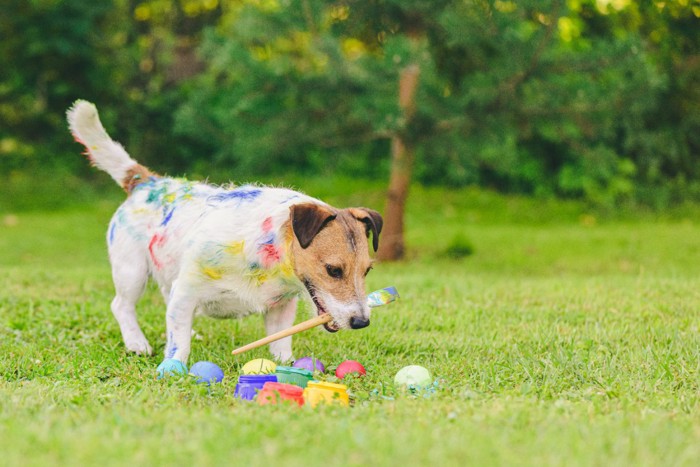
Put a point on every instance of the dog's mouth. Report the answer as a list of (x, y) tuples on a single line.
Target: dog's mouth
[(320, 309)]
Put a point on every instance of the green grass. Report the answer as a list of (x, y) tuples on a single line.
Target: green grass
[(566, 338)]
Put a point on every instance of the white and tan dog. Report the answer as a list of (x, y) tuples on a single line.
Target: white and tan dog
[(224, 251)]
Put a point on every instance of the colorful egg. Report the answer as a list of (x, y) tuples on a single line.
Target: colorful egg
[(207, 372), (259, 366), (349, 367), (413, 377), (311, 364), (170, 367)]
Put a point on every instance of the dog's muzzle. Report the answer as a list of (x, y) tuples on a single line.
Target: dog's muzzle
[(359, 323)]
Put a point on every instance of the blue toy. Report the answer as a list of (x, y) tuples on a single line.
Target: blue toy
[(207, 372), (171, 367), (249, 385)]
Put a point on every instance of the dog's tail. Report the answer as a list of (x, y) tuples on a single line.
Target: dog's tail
[(103, 152)]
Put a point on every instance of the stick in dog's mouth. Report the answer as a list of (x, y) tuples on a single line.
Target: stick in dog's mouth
[(320, 309)]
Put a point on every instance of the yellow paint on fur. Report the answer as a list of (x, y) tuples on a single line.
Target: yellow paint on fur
[(235, 248), (212, 273), (259, 275), (169, 198), (286, 267)]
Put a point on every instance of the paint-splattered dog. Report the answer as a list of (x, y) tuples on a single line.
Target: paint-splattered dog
[(226, 251)]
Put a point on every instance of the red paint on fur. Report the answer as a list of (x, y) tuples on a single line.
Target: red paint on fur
[(267, 225), (156, 241), (78, 140), (269, 255)]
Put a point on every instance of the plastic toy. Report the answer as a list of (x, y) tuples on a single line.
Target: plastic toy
[(249, 385), (349, 367), (170, 367), (413, 377), (259, 366), (207, 372), (272, 393), (290, 375), (318, 392), (310, 364)]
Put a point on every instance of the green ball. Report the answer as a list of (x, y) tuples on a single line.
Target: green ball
[(413, 377)]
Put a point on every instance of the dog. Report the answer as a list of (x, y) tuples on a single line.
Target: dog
[(226, 251)]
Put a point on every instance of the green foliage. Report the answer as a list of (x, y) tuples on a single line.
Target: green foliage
[(52, 51), (580, 98), (460, 247)]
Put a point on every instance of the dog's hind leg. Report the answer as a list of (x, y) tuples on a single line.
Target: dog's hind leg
[(277, 319), (130, 276)]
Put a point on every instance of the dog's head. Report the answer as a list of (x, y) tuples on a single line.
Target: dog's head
[(331, 258)]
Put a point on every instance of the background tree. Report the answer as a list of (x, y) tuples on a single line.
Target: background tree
[(592, 99)]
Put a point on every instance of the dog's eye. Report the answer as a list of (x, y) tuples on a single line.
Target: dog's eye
[(368, 270), (334, 271)]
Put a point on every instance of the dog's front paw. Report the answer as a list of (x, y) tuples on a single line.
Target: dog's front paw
[(138, 346), (282, 355)]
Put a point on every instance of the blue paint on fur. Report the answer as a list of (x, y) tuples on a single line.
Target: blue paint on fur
[(267, 239), (244, 193), (149, 184), (289, 199), (167, 217), (172, 348), (111, 232)]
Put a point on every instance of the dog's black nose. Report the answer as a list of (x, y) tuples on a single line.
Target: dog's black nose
[(359, 323)]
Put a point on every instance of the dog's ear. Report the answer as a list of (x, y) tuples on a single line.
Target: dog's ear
[(307, 221), (373, 222)]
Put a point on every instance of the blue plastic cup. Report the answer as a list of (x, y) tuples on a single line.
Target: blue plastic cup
[(248, 386)]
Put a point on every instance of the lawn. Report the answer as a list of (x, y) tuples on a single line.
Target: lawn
[(568, 337)]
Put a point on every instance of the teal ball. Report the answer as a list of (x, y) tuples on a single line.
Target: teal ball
[(171, 367)]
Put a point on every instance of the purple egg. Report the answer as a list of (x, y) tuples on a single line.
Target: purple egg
[(307, 363)]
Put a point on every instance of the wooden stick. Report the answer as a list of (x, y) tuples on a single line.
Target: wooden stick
[(308, 324), (377, 298)]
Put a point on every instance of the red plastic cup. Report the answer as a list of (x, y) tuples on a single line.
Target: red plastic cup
[(272, 393)]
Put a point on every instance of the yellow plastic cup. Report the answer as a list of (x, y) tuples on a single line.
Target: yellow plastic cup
[(319, 392)]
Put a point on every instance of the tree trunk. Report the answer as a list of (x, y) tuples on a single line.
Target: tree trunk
[(402, 157)]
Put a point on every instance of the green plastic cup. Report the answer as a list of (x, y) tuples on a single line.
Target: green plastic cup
[(291, 375)]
